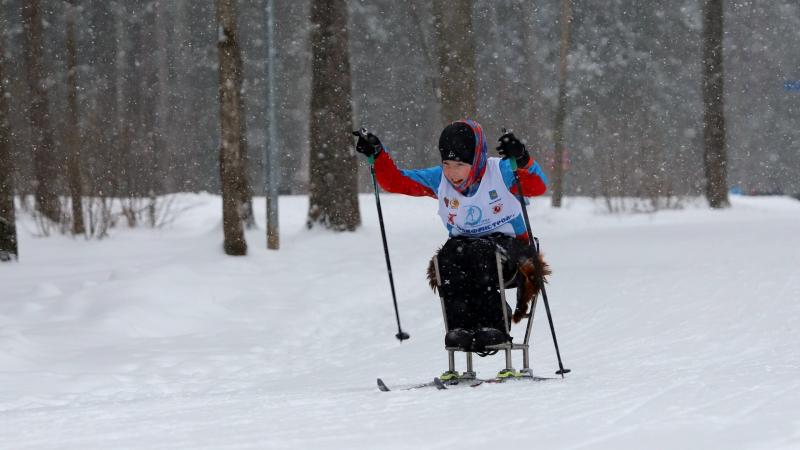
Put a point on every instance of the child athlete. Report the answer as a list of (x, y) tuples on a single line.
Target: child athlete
[(477, 205)]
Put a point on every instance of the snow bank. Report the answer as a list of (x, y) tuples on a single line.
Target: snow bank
[(680, 327)]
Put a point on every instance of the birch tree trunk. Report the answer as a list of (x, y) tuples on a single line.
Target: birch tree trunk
[(333, 201), (73, 128), (44, 161), (715, 157), (230, 158), (455, 44)]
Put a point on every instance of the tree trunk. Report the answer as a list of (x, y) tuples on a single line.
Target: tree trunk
[(246, 188), (145, 174), (8, 229), (333, 201), (121, 138), (561, 112), (538, 130), (271, 151), (715, 159), (230, 158), (44, 161), (161, 142), (73, 127), (455, 43)]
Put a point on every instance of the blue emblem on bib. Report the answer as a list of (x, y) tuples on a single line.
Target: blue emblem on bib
[(474, 215)]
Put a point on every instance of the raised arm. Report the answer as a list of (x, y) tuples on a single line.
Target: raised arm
[(417, 183)]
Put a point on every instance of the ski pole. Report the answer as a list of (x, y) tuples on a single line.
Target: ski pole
[(535, 247), (401, 335)]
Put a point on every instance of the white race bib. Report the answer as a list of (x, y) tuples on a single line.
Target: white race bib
[(492, 209)]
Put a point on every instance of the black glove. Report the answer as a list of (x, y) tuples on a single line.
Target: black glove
[(511, 147), (368, 144)]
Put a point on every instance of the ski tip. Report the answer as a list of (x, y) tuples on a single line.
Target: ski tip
[(439, 384), (382, 386)]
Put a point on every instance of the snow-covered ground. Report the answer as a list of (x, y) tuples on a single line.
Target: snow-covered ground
[(681, 329)]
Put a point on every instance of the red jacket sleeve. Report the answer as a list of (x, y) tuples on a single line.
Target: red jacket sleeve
[(530, 177), (392, 179)]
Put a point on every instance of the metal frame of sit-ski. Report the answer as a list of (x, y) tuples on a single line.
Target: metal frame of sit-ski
[(505, 347)]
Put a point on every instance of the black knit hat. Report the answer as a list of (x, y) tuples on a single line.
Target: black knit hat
[(457, 143)]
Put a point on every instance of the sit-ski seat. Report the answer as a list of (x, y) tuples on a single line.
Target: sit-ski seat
[(506, 347)]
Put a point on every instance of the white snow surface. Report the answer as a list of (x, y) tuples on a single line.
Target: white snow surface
[(680, 327)]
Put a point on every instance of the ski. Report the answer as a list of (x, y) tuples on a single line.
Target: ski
[(384, 388), (471, 382), (437, 383), (506, 379), (475, 382), (443, 384)]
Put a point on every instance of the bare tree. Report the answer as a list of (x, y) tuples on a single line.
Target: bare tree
[(245, 187), (561, 112), (715, 158), (230, 158), (73, 127), (44, 161), (333, 200), (455, 45), (8, 230), (161, 145), (270, 151), (533, 87), (121, 136)]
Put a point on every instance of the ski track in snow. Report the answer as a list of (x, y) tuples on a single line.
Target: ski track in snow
[(681, 328)]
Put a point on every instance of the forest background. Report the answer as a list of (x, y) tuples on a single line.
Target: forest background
[(147, 81)]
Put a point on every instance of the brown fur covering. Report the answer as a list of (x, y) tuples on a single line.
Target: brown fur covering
[(432, 281), (533, 271)]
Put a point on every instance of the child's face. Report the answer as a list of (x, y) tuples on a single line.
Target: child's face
[(456, 171)]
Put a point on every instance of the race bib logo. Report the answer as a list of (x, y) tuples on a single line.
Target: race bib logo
[(474, 215), (492, 195), (451, 218), (454, 203), (446, 202), (497, 208)]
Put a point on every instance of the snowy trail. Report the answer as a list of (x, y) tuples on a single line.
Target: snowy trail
[(681, 329)]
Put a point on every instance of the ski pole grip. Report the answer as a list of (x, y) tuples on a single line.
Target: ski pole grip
[(362, 133), (504, 131)]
